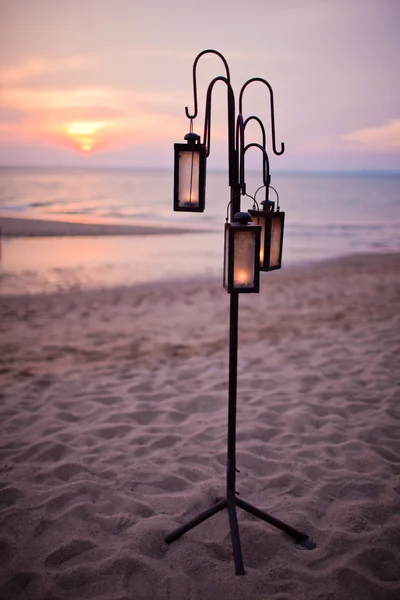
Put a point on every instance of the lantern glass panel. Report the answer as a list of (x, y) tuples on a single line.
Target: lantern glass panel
[(226, 257), (189, 174), (276, 240), (260, 220), (243, 267)]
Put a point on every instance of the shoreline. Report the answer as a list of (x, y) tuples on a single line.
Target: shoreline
[(19, 227), (186, 281)]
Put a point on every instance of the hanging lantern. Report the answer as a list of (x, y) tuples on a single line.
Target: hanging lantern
[(242, 255), (190, 175), (272, 226)]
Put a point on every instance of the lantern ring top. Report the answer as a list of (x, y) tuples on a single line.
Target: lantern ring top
[(242, 217), (228, 77)]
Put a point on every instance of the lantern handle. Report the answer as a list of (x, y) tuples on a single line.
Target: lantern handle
[(271, 100), (228, 77), (257, 190), (255, 203), (272, 188), (277, 197), (228, 205)]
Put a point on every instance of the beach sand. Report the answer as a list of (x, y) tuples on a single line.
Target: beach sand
[(113, 433), (21, 227)]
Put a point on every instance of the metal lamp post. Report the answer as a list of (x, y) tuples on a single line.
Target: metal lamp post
[(249, 248)]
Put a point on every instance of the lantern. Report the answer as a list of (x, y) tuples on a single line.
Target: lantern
[(190, 175), (272, 225), (242, 255)]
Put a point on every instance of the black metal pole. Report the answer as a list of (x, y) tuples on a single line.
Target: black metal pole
[(232, 394), (301, 538), (233, 356), (231, 454), (196, 521)]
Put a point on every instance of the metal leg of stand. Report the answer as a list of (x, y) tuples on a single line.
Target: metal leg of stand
[(196, 521), (236, 546), (301, 538)]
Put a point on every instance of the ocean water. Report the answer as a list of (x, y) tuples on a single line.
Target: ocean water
[(327, 215)]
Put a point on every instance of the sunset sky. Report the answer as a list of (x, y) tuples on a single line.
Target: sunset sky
[(105, 82)]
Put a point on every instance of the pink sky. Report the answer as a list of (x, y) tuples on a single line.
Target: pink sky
[(105, 82)]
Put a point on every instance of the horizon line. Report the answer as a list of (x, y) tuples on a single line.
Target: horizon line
[(364, 171)]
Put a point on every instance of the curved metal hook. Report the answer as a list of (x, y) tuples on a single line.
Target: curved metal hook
[(240, 150), (228, 77), (264, 139), (266, 175), (231, 125), (231, 112), (271, 98), (241, 154)]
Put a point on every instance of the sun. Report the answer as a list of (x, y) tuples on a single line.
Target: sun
[(85, 134)]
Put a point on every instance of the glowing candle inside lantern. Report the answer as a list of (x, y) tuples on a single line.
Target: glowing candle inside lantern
[(189, 171), (243, 270), (190, 174), (242, 255)]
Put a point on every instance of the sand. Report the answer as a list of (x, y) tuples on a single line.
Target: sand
[(113, 433), (20, 227)]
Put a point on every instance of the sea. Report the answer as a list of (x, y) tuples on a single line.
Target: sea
[(327, 215)]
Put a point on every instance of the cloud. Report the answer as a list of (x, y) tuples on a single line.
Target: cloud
[(49, 99), (52, 115), (116, 99), (35, 66), (31, 108), (385, 138), (322, 144), (11, 116)]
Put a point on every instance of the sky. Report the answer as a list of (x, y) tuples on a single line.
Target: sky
[(105, 82)]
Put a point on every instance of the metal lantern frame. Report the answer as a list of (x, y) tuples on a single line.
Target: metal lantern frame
[(266, 219), (231, 231), (193, 146), (236, 160)]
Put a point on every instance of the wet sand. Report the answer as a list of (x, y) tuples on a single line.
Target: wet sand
[(20, 227)]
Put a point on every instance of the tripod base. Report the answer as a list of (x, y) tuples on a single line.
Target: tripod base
[(302, 539)]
